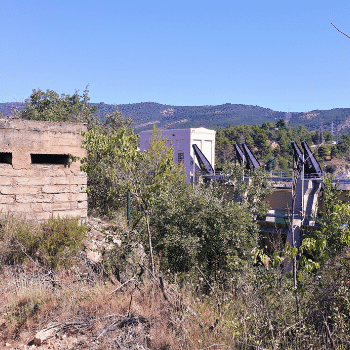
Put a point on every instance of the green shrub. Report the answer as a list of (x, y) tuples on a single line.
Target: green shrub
[(53, 243), (19, 240), (62, 239), (122, 255)]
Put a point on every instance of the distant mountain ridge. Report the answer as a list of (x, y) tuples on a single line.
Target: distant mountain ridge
[(7, 107), (145, 114)]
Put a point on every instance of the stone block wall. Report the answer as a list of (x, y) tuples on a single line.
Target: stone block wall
[(35, 181)]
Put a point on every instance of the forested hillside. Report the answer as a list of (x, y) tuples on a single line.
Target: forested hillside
[(7, 108), (145, 114), (166, 116), (271, 145)]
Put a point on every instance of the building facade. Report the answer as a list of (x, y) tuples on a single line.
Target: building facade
[(182, 140), (36, 181)]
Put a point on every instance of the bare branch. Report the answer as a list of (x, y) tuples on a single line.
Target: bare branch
[(214, 345), (212, 289), (340, 31), (122, 285)]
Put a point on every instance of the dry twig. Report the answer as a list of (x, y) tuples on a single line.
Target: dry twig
[(122, 285), (340, 31)]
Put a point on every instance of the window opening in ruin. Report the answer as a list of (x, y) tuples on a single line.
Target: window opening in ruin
[(5, 158), (48, 159)]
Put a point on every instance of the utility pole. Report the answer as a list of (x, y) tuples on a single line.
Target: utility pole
[(332, 131), (320, 136), (294, 181)]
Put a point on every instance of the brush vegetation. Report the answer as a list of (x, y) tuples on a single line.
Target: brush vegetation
[(184, 269), (248, 307)]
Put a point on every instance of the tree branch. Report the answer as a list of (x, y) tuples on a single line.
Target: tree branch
[(340, 31)]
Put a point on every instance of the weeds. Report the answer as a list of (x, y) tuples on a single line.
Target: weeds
[(62, 239), (54, 243), (257, 311)]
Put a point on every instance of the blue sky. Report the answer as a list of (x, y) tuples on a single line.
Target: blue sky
[(284, 55)]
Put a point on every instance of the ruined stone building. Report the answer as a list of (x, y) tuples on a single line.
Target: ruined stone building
[(35, 179)]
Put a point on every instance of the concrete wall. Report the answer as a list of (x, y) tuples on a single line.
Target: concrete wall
[(182, 140), (280, 199), (32, 186)]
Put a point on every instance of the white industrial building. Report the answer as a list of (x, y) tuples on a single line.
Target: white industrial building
[(182, 140)]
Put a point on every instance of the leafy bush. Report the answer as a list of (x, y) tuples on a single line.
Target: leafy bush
[(19, 240), (323, 152), (210, 226), (53, 243), (61, 240), (331, 168), (122, 256), (333, 236)]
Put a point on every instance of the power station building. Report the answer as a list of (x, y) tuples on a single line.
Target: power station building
[(182, 140)]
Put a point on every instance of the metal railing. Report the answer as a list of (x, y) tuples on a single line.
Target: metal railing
[(281, 174), (287, 174)]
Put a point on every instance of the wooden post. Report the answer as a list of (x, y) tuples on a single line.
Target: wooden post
[(161, 285)]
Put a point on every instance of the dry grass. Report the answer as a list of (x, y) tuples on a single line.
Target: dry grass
[(136, 314), (90, 309)]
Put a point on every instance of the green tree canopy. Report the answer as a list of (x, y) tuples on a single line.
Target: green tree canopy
[(212, 226), (115, 159), (333, 235), (281, 124), (49, 106)]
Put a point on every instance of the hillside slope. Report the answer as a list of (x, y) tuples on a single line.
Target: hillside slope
[(145, 114)]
